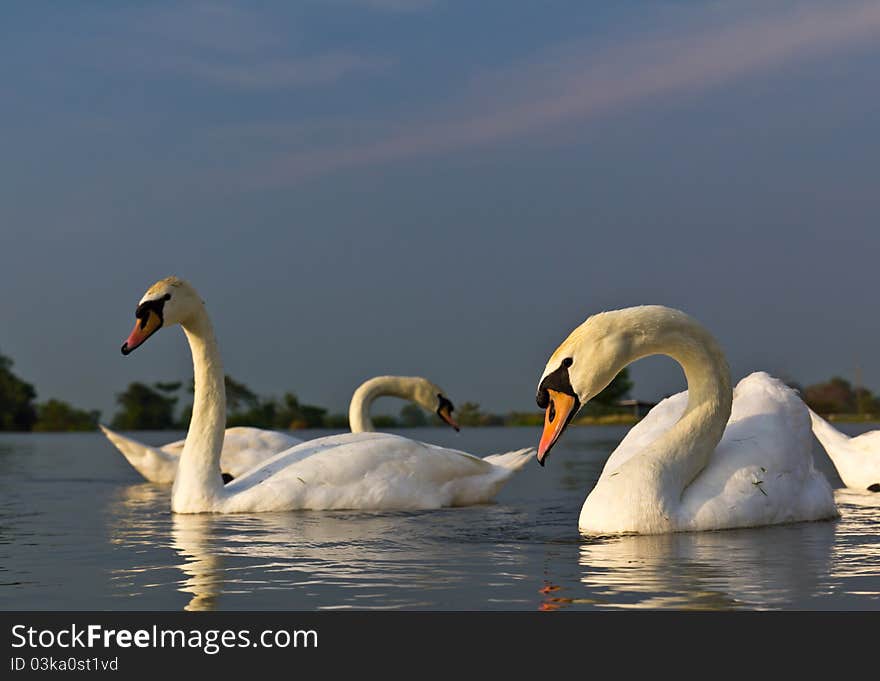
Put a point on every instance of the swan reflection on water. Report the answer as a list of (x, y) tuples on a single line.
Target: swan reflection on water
[(308, 559), (760, 568), (486, 557)]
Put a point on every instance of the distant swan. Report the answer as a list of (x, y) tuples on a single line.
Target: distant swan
[(710, 458), (369, 471), (244, 447), (857, 459)]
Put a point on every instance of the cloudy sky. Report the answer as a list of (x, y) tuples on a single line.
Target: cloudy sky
[(436, 187)]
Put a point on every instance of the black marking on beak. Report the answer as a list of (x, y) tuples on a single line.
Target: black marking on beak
[(446, 403), (556, 380), (142, 314), (158, 306)]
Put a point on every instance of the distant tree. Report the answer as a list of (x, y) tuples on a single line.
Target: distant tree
[(56, 415), (144, 408), (17, 411), (837, 396), (412, 416), (293, 415), (606, 401), (519, 418), (238, 396), (312, 416), (264, 414), (832, 397), (470, 414), (615, 391), (866, 402), (384, 421), (169, 387), (336, 421), (285, 414)]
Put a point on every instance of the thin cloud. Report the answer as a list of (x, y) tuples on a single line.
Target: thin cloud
[(575, 83), (282, 73), (232, 46), (217, 26), (393, 5)]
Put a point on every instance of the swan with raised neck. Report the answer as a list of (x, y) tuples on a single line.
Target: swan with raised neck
[(355, 470), (652, 490), (198, 482)]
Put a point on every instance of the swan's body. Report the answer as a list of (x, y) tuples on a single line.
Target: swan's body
[(244, 448), (857, 459), (706, 459), (365, 471), (355, 471)]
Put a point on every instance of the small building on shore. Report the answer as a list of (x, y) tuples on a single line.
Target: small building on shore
[(637, 408)]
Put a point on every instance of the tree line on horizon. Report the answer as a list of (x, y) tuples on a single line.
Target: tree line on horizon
[(155, 407)]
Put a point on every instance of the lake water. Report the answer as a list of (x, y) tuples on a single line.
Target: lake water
[(79, 530)]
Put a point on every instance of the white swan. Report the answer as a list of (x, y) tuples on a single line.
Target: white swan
[(857, 459), (244, 447), (706, 459), (354, 471)]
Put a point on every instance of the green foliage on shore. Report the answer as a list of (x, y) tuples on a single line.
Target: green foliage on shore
[(17, 410), (20, 412), (151, 407), (59, 416), (839, 400), (145, 408)]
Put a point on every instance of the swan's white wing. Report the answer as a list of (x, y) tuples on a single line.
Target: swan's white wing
[(762, 471), (655, 423), (857, 459), (366, 471), (869, 442), (153, 463)]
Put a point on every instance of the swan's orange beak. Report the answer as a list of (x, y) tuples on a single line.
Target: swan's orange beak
[(559, 412), (445, 413), (145, 327)]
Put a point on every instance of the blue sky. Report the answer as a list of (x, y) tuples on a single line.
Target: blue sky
[(436, 187)]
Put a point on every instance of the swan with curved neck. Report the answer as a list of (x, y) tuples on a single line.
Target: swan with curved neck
[(411, 388), (354, 471), (710, 458), (245, 447)]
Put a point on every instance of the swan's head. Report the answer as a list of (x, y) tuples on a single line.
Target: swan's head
[(580, 368), (167, 302), (431, 397)]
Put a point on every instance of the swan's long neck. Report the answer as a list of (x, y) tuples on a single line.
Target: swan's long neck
[(198, 480), (359, 419), (684, 450)]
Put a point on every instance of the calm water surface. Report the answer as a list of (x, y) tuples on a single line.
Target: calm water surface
[(79, 530)]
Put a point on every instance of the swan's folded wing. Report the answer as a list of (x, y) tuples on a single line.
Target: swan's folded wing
[(656, 422), (363, 470), (762, 471), (868, 442), (153, 463)]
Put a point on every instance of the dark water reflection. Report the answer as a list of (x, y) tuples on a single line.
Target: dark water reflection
[(77, 530)]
